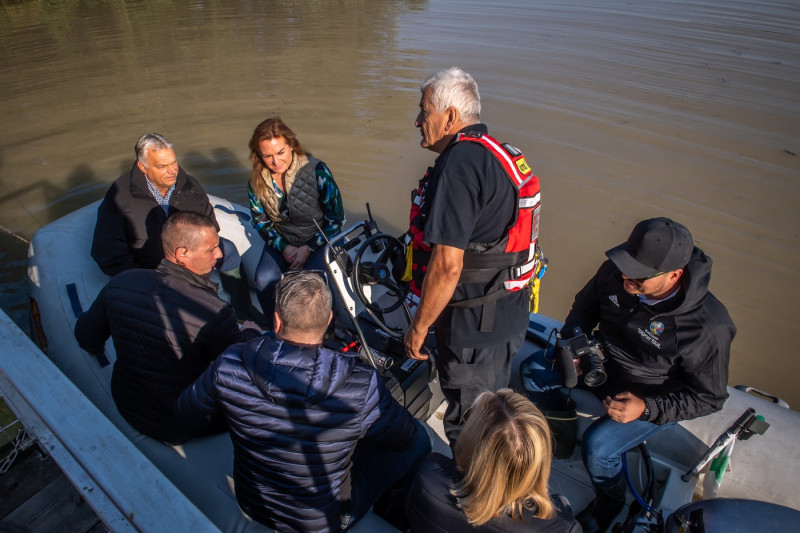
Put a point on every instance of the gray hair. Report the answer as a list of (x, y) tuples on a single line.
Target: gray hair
[(150, 141), (455, 88), (183, 230), (303, 301)]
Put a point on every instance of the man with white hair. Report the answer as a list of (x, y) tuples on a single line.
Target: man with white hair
[(474, 227)]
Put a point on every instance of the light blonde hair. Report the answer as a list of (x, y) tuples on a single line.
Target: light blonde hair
[(505, 451)]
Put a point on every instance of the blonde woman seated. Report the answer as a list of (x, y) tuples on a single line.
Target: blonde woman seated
[(498, 481)]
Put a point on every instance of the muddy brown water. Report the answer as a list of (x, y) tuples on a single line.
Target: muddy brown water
[(626, 109)]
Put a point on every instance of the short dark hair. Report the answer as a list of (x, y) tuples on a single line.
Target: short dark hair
[(181, 230), (303, 302)]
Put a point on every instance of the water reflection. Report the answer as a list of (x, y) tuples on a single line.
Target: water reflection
[(627, 109)]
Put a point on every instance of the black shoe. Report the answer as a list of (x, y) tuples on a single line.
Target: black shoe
[(600, 514)]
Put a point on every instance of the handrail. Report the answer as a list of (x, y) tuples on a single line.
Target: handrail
[(126, 491)]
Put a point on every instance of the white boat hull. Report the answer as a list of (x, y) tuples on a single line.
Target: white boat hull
[(64, 280)]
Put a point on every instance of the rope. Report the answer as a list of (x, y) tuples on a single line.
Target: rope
[(23, 239), (19, 443)]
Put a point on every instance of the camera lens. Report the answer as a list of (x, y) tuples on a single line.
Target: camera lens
[(594, 374), (594, 378)]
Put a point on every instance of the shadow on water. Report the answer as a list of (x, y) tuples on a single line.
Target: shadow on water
[(113, 72), (221, 173), (32, 205)]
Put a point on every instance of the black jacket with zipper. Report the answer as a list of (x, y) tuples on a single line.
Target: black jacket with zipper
[(129, 220), (673, 354)]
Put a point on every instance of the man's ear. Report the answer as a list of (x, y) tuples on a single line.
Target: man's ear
[(453, 118), (330, 318), (675, 275), (141, 166), (278, 323), (180, 254)]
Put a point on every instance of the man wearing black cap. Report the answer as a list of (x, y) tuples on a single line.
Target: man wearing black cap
[(667, 343)]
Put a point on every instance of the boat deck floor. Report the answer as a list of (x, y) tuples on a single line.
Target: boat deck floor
[(35, 496)]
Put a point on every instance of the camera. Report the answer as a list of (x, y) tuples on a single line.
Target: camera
[(591, 357)]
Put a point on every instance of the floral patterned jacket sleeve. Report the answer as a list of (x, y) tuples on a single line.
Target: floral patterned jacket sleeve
[(330, 200), (263, 223)]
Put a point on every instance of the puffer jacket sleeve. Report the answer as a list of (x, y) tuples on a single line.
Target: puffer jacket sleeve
[(197, 406), (222, 332), (386, 421), (92, 328)]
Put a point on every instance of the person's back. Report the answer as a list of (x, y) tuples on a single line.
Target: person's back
[(304, 421), (498, 479), (167, 325), (434, 509)]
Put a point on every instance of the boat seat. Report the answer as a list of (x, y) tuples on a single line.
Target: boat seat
[(201, 468)]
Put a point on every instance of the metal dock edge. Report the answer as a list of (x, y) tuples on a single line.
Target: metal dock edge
[(121, 485)]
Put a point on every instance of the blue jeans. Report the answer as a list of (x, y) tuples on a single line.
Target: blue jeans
[(605, 440), (376, 468), (230, 256)]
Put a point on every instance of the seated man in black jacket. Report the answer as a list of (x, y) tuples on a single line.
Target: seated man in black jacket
[(667, 341), (317, 436), (129, 220), (167, 325)]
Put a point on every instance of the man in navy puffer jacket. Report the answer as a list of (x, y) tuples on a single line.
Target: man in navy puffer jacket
[(317, 436)]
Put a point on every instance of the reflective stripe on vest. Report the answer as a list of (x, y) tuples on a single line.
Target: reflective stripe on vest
[(523, 233)]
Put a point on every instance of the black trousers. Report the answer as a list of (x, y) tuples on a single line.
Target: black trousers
[(464, 373)]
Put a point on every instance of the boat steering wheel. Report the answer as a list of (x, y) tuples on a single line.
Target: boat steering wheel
[(378, 271)]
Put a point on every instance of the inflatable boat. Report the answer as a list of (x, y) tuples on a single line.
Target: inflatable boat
[(371, 312)]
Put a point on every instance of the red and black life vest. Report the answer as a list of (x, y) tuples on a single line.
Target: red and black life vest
[(506, 264)]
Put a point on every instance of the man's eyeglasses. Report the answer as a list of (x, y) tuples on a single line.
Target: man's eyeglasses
[(639, 281)]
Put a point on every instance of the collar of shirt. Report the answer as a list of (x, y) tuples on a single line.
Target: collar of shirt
[(163, 201), (651, 302)]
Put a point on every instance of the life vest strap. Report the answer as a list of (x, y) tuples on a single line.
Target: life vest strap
[(494, 261)]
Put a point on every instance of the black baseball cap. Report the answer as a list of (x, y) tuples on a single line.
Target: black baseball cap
[(655, 246)]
